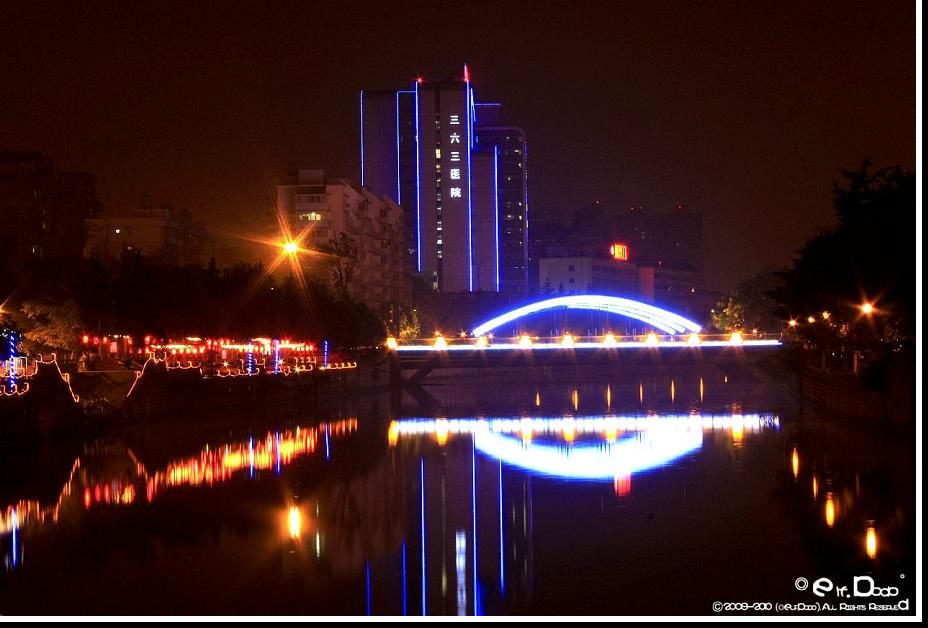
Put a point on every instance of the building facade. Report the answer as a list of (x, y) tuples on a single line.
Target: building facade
[(163, 235), (328, 213), (42, 210), (615, 276), (462, 183)]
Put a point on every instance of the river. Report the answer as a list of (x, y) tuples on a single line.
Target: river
[(660, 494)]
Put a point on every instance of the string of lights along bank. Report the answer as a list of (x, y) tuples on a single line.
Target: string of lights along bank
[(461, 176)]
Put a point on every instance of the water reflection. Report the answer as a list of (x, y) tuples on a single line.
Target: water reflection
[(870, 541), (611, 446), (112, 485), (528, 510)]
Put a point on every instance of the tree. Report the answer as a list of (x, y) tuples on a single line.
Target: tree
[(410, 327), (750, 305), (868, 256), (728, 313), (52, 326)]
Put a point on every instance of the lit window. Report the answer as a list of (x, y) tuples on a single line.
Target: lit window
[(437, 153)]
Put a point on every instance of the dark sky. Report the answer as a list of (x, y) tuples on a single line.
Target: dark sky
[(745, 110)]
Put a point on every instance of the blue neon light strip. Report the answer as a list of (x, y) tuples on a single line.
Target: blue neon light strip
[(473, 501), (405, 593), (557, 346), (418, 194), (470, 229), (502, 550), (367, 570), (362, 138), (422, 524), (496, 206), (15, 522), (668, 322), (399, 199)]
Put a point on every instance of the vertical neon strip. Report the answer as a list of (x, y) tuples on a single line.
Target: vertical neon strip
[(328, 453), (15, 522), (367, 573), (399, 199), (422, 524), (362, 138), (502, 550), (496, 206), (473, 497), (418, 209), (470, 229), (251, 457), (405, 594)]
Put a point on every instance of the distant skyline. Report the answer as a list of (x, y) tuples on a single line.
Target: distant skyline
[(746, 112)]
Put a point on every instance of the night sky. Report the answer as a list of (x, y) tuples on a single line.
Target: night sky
[(743, 110)]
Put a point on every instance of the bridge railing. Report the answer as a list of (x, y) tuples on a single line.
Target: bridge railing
[(570, 341)]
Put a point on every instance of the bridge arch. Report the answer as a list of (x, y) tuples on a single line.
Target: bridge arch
[(659, 318)]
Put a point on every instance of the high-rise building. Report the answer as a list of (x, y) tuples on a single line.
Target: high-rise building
[(42, 210), (512, 149), (461, 183)]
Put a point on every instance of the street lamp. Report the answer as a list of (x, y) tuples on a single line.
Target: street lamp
[(291, 248), (867, 308)]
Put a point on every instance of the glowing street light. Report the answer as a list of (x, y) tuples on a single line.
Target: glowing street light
[(866, 308), (290, 248), (793, 322)]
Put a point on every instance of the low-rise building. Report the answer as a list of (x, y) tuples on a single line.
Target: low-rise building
[(163, 235)]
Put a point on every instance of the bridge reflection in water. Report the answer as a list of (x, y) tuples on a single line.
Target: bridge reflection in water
[(455, 513)]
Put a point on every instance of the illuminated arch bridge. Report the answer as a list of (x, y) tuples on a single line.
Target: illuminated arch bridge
[(675, 330), (661, 319)]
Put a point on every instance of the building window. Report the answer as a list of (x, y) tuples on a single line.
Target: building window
[(310, 216)]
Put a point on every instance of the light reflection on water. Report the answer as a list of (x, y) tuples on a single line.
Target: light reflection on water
[(464, 513)]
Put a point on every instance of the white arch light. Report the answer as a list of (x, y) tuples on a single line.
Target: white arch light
[(661, 319), (635, 454), (648, 441)]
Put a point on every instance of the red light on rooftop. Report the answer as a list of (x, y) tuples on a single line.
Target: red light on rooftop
[(420, 80), (466, 73)]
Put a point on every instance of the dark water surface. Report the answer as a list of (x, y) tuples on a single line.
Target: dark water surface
[(657, 495)]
